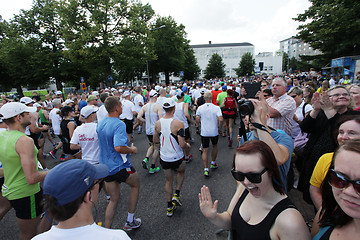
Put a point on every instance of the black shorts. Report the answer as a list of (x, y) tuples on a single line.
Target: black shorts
[(36, 137), (229, 116), (205, 141), (171, 165), (187, 133), (129, 125), (120, 176), (150, 137), (67, 149), (1, 182), (28, 207)]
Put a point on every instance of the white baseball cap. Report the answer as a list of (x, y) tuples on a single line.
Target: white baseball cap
[(95, 93), (126, 93), (87, 110), (58, 92), (153, 93), (26, 100), (13, 109), (67, 101), (168, 103)]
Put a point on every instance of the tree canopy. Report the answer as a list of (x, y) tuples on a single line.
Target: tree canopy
[(215, 67), (246, 65), (331, 26)]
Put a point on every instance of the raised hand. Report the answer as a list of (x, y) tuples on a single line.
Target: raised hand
[(207, 207), (316, 101)]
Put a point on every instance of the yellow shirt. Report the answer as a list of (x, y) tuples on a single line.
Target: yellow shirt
[(321, 169)]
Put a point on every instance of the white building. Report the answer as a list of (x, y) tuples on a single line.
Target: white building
[(269, 63), (231, 54), (295, 47)]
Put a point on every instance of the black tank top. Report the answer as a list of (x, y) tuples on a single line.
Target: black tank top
[(65, 131), (261, 231)]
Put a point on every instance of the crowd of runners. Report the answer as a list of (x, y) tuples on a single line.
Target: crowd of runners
[(290, 128)]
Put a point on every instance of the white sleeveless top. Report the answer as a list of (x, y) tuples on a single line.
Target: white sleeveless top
[(170, 150), (151, 117), (179, 114)]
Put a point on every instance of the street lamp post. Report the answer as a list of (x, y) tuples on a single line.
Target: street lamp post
[(147, 62)]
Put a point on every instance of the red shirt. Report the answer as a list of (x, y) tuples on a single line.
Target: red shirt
[(214, 96)]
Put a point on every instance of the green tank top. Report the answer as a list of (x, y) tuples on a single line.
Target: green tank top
[(42, 117), (15, 185)]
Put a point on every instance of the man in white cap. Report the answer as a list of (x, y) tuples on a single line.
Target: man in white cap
[(172, 142), (127, 114), (71, 200), (20, 165), (153, 112), (139, 103), (85, 136), (55, 120)]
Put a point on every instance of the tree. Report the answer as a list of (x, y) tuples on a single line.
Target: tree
[(191, 68), (215, 67), (169, 45), (332, 26), (110, 37), (246, 65), (285, 62)]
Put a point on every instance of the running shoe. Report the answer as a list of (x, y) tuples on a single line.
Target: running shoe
[(214, 166), (145, 163), (201, 149), (64, 158), (206, 173), (189, 159), (130, 226), (52, 154), (176, 199), (230, 143), (170, 211), (154, 170)]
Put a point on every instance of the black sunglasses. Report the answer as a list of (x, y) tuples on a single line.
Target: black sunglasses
[(339, 181), (252, 177)]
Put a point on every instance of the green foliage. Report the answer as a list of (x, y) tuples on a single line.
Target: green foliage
[(215, 67), (285, 62), (246, 65), (191, 67), (170, 47), (331, 26)]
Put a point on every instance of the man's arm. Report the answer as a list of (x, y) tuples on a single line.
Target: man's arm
[(140, 114), (178, 130), (280, 151), (156, 135), (25, 149)]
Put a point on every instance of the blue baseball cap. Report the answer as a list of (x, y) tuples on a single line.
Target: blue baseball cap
[(184, 89), (69, 180), (224, 88), (200, 84)]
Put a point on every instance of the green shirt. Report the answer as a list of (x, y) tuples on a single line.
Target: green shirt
[(15, 185), (221, 97), (42, 117)]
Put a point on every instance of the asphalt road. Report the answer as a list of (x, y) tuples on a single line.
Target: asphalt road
[(187, 221)]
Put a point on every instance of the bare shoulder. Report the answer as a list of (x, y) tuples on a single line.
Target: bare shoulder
[(291, 224), (24, 143)]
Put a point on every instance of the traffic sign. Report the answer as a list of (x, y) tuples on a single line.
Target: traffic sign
[(181, 73), (83, 86), (110, 78), (82, 79)]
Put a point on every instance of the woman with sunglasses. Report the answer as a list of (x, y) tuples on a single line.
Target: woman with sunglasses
[(339, 217), (260, 208), (348, 128)]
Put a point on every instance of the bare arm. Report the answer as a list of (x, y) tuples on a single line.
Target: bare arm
[(126, 149), (25, 149), (156, 135), (140, 114), (316, 225), (71, 127), (274, 113), (1, 172), (75, 146), (290, 225), (316, 196), (209, 209)]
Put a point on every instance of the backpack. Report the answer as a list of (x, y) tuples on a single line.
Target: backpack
[(229, 106)]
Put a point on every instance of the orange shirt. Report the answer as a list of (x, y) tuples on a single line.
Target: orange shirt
[(214, 95)]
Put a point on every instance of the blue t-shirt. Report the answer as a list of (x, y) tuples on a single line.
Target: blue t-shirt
[(281, 138), (112, 133), (82, 104)]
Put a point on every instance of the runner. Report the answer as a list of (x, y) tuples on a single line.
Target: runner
[(172, 142)]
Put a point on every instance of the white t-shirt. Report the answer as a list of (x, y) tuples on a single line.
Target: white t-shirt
[(88, 232), (55, 120), (127, 110), (101, 113), (137, 100), (209, 114), (87, 137), (299, 114)]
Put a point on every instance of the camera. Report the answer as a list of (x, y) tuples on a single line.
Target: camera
[(246, 107)]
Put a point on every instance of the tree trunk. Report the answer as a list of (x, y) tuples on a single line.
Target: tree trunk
[(19, 90), (167, 78)]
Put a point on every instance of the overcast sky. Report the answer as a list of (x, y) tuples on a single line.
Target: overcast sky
[(261, 22)]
